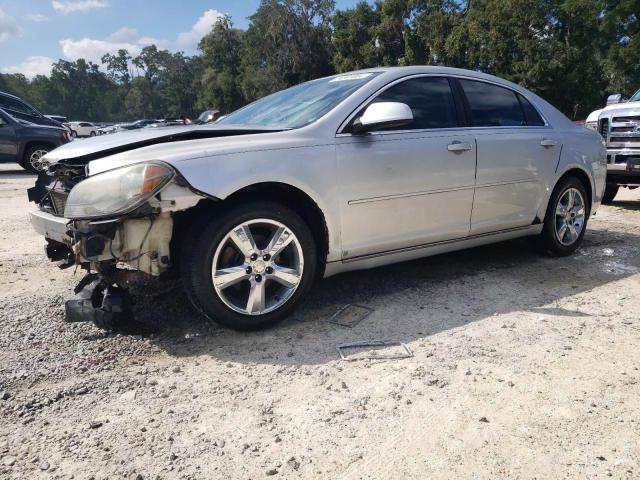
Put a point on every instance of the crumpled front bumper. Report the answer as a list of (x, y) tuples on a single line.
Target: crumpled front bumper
[(142, 243), (51, 227)]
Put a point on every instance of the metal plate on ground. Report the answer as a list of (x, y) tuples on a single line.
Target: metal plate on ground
[(374, 350), (350, 315)]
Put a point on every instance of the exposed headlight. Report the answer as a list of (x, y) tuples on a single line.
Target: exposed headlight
[(117, 191), (592, 125)]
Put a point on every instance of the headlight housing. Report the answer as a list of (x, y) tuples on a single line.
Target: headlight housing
[(592, 125), (117, 191)]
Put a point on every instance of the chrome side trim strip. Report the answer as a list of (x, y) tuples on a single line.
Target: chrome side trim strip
[(431, 192), (406, 195), (513, 182)]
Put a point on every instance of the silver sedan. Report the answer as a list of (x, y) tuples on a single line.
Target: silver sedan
[(348, 172)]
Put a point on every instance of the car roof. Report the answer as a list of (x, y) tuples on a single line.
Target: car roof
[(6, 94)]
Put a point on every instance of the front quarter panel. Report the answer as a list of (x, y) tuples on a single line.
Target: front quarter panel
[(311, 169)]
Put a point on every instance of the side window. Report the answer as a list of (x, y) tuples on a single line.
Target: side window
[(85, 124), (530, 113), (492, 106), (430, 100), (18, 106)]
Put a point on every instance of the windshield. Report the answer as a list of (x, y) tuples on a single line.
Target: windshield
[(300, 105), (635, 97)]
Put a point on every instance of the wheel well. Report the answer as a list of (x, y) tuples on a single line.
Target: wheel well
[(295, 199), (290, 196), (37, 144), (584, 179)]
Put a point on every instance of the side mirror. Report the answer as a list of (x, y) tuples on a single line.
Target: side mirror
[(383, 115), (615, 98)]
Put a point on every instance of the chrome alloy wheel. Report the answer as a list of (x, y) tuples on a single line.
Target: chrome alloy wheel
[(257, 267), (570, 213), (35, 159)]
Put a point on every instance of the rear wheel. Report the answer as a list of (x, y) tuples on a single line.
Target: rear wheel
[(566, 219), (610, 193), (250, 267), (32, 159)]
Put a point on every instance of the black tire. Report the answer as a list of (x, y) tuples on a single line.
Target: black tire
[(548, 238), (610, 193), (26, 158), (74, 134), (92, 134), (198, 251)]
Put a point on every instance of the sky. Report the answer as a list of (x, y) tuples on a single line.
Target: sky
[(36, 33)]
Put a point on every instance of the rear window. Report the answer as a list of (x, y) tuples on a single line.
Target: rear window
[(492, 106), (531, 114), (16, 105)]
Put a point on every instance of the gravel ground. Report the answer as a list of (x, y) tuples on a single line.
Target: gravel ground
[(524, 367)]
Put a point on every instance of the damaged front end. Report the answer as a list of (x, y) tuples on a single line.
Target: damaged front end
[(114, 225)]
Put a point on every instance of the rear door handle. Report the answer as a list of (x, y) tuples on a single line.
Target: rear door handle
[(459, 147), (546, 142)]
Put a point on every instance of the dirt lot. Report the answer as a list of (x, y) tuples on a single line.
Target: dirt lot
[(524, 367)]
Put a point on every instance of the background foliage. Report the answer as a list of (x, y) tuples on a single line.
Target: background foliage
[(572, 52)]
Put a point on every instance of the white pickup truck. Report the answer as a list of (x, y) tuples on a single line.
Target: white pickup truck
[(619, 125)]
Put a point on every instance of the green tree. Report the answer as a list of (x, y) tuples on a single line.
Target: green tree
[(219, 85), (621, 45), (287, 42), (118, 66), (354, 39), (139, 99)]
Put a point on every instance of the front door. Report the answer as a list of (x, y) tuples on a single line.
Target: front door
[(408, 187)]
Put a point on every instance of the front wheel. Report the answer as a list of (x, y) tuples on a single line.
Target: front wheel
[(250, 267), (92, 134), (566, 219), (32, 160)]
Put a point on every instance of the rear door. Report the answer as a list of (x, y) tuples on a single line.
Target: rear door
[(517, 151), (412, 185)]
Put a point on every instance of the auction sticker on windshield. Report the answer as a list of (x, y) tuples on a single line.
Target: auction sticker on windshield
[(353, 76)]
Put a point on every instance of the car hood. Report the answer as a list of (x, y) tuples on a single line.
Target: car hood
[(621, 106), (134, 142)]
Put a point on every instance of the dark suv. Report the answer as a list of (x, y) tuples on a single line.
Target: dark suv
[(21, 110), (26, 143)]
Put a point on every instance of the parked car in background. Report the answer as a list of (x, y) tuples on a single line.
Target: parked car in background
[(25, 143), (619, 125), (137, 124), (207, 116), (107, 129), (166, 122), (347, 172), (20, 109), (83, 129)]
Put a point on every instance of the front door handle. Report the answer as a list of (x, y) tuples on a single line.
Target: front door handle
[(546, 142), (459, 147)]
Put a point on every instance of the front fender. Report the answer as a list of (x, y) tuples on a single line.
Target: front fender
[(312, 170)]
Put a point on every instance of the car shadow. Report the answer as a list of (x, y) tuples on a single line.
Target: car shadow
[(17, 173), (626, 204), (410, 301)]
